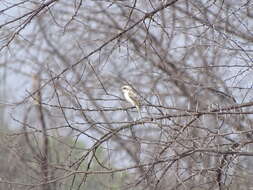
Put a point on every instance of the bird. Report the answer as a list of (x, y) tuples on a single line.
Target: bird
[(131, 96), (36, 89)]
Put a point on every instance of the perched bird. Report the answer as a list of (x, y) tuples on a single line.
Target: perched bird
[(36, 88), (131, 96)]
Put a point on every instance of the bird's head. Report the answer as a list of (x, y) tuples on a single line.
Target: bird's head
[(126, 88)]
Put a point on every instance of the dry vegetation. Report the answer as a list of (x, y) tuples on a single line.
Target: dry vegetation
[(66, 125)]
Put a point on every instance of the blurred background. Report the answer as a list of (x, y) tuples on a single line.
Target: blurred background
[(66, 125)]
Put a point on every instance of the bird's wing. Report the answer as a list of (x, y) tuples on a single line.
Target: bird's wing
[(134, 95)]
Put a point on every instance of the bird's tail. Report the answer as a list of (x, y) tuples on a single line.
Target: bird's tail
[(139, 111)]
